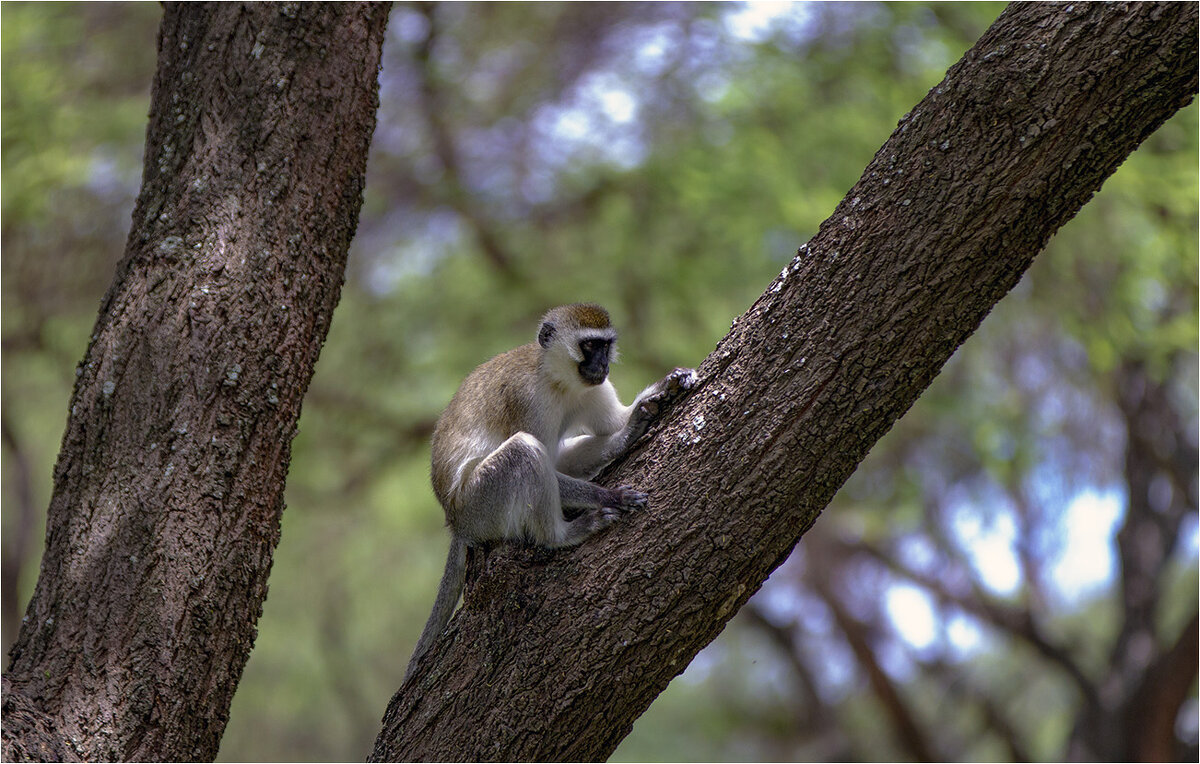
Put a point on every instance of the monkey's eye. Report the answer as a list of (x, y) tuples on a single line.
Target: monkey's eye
[(589, 347)]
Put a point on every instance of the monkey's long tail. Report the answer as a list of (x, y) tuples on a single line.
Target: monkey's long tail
[(447, 597)]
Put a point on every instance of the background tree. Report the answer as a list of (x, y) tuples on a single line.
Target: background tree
[(169, 484), (667, 160)]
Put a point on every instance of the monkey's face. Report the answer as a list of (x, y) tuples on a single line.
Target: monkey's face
[(593, 369)]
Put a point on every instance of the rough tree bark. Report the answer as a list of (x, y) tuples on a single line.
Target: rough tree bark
[(553, 656), (169, 485)]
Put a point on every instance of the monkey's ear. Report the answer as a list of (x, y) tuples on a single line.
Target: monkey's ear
[(546, 335)]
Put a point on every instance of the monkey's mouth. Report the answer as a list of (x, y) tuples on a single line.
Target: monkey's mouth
[(593, 374)]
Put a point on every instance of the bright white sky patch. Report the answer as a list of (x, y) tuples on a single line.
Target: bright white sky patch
[(600, 121), (989, 546), (1189, 533), (912, 614), (572, 124), (964, 634), (753, 20), (618, 105), (1087, 561)]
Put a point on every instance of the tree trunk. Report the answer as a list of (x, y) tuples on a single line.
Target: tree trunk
[(553, 656), (168, 489)]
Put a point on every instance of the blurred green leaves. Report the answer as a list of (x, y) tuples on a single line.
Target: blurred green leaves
[(68, 91)]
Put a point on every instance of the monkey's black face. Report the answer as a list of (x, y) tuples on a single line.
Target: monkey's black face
[(594, 366)]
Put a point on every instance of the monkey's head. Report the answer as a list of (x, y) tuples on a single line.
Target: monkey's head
[(578, 341)]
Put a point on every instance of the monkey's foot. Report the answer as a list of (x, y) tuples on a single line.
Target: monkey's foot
[(626, 499)]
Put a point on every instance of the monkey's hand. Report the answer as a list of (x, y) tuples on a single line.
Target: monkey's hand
[(657, 398), (586, 455)]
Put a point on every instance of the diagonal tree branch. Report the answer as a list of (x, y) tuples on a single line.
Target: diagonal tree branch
[(553, 656)]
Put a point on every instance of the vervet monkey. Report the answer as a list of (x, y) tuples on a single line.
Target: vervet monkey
[(523, 435)]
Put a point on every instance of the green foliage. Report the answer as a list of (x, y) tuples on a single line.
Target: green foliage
[(71, 85)]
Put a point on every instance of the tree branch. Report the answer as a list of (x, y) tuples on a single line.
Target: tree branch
[(814, 710), (168, 491), (961, 691), (1019, 623), (1154, 708), (908, 733)]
